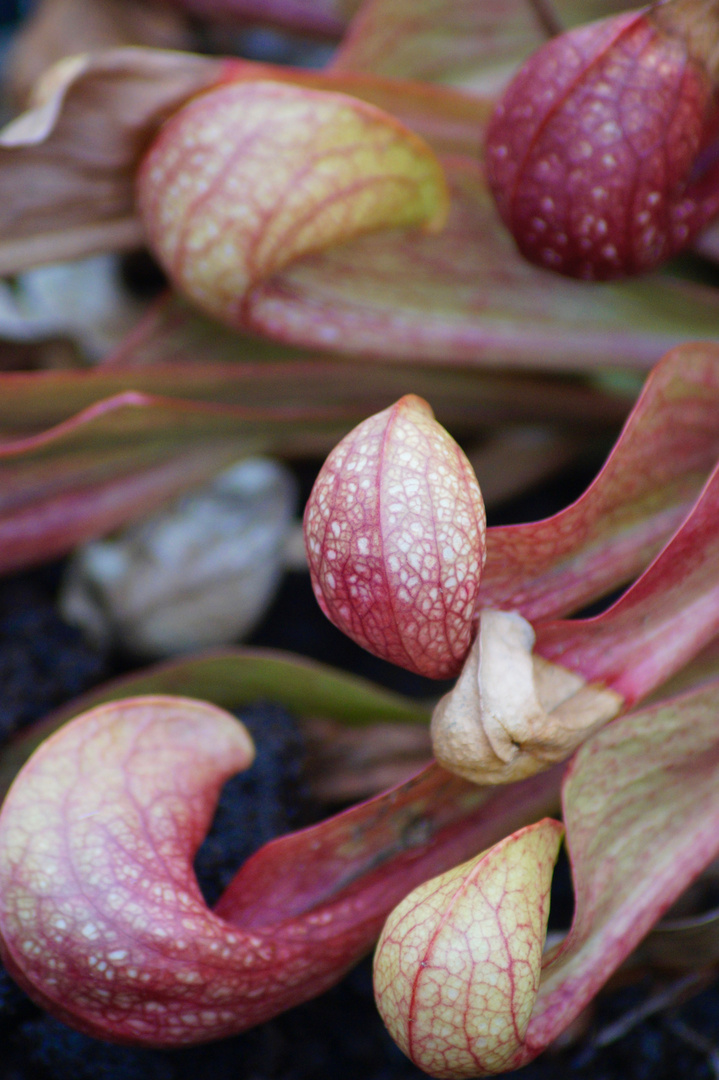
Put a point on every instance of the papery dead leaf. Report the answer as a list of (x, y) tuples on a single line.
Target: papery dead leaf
[(494, 726), (67, 167), (511, 713), (498, 724), (67, 192), (59, 28)]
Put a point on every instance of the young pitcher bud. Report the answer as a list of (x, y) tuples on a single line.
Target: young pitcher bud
[(395, 531), (249, 176), (599, 153), (458, 963)]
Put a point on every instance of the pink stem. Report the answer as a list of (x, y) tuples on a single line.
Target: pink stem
[(660, 623)]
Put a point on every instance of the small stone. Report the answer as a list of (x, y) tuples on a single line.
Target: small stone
[(197, 574)]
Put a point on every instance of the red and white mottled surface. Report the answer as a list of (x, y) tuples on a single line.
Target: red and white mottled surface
[(591, 151), (395, 531)]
